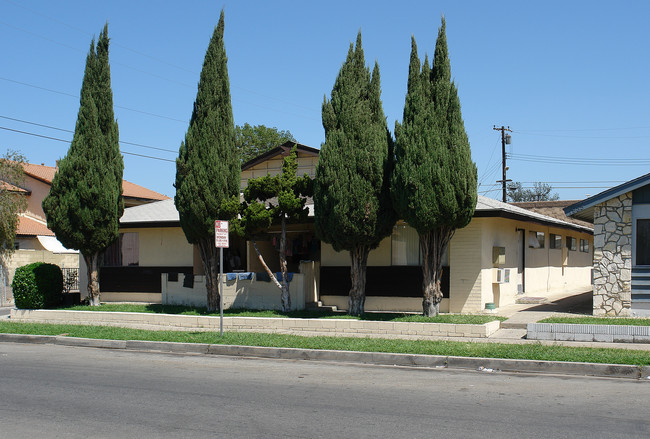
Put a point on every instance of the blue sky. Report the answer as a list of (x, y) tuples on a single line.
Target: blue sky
[(569, 78)]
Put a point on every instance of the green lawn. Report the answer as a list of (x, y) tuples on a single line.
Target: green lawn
[(531, 351), (186, 310), (598, 321)]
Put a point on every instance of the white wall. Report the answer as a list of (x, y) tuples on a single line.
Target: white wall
[(546, 269), (32, 251), (250, 294)]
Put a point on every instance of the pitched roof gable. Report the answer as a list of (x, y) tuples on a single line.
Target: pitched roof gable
[(584, 209), (283, 149)]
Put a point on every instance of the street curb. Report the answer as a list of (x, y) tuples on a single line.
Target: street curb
[(376, 358)]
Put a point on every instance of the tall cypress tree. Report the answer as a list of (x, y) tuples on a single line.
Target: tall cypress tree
[(84, 205), (208, 168), (434, 181), (353, 210)]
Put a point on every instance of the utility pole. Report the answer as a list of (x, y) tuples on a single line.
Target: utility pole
[(505, 139)]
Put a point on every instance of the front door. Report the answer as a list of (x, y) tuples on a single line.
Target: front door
[(521, 261), (641, 259), (642, 242), (641, 235)]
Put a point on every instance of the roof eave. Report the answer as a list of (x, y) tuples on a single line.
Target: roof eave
[(279, 150), (519, 217), (588, 203)]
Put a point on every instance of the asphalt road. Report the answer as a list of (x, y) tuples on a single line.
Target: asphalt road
[(70, 392)]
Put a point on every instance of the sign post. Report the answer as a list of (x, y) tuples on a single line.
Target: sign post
[(221, 241)]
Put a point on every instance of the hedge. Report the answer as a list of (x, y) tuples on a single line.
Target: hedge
[(37, 285)]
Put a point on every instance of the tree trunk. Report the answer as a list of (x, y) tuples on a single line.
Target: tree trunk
[(357, 299), (209, 259), (433, 245), (92, 262), (284, 297)]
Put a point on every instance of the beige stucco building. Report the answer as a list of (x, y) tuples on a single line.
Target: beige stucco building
[(505, 252)]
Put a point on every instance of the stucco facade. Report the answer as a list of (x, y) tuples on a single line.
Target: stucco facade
[(471, 266)]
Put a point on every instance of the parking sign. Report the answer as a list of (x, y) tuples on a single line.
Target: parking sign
[(221, 234)]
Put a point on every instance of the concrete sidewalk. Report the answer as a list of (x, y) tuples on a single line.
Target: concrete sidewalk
[(572, 304)]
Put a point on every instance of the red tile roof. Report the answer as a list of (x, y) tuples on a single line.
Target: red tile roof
[(32, 227), (40, 172), (131, 190), (135, 191), (12, 188)]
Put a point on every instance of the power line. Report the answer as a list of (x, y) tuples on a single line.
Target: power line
[(567, 158), (574, 182), (88, 34), (581, 137), (489, 161), (71, 131), (158, 60), (579, 160), (583, 129), (68, 141), (77, 97)]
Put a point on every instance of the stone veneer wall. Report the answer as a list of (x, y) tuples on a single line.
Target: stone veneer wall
[(613, 256)]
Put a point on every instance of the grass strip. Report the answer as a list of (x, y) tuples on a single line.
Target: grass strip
[(371, 316), (530, 351), (598, 321)]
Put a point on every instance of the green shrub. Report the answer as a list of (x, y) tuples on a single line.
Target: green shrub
[(37, 285)]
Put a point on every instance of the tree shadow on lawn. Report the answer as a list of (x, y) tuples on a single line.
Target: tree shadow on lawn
[(240, 312)]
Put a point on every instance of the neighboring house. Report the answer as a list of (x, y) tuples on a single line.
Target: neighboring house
[(504, 252), (554, 209), (34, 241), (621, 219)]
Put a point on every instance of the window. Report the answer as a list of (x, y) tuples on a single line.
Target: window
[(555, 241), (405, 246), (571, 243), (535, 239), (584, 246), (125, 251)]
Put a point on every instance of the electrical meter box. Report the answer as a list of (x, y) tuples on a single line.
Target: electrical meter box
[(498, 256)]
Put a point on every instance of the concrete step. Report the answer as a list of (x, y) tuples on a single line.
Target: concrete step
[(318, 306), (509, 334), (640, 296), (507, 324)]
